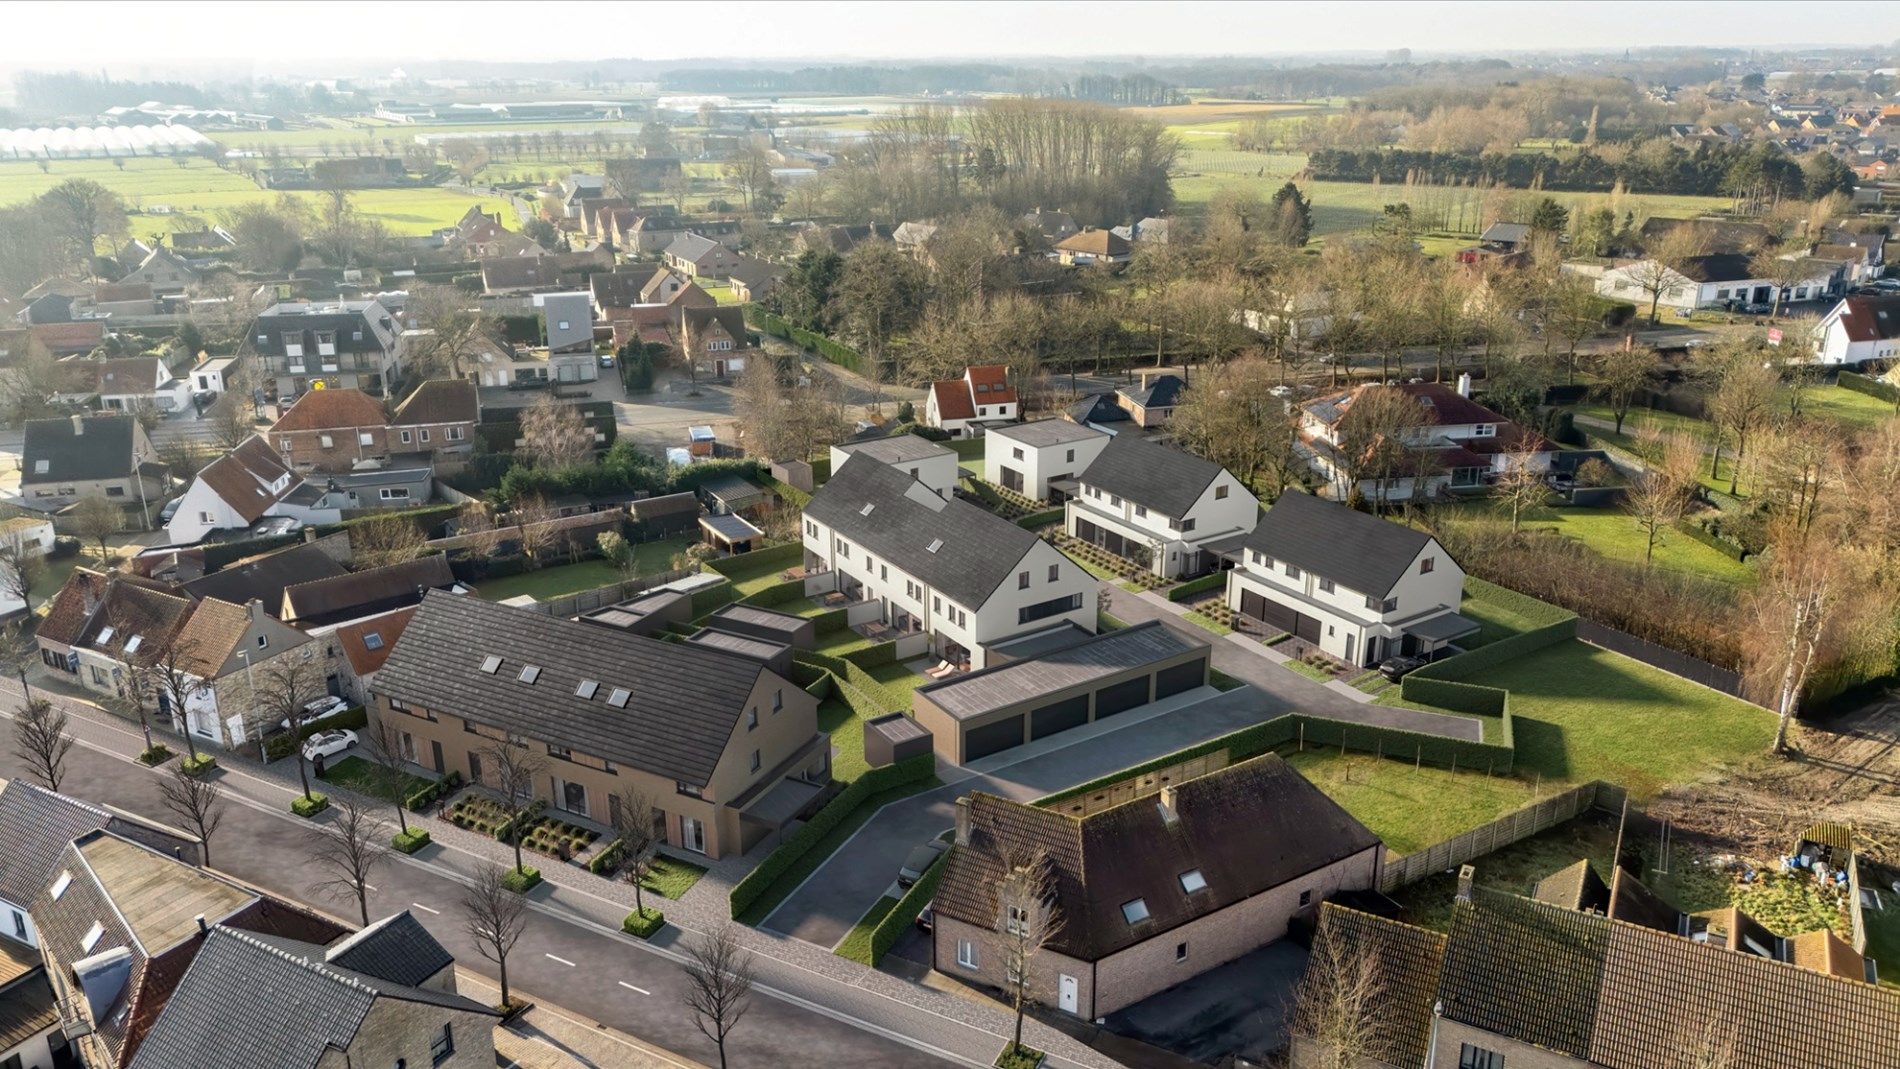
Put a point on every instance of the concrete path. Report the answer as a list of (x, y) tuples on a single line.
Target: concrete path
[(1288, 691), (827, 904)]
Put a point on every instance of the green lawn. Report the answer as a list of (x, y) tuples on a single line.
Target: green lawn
[(1515, 868), (825, 847), (840, 642), (1616, 535), (1410, 808), (1581, 713), (547, 583), (1495, 621), (836, 719), (1848, 407), (357, 774), (856, 944), (753, 572), (669, 877), (1308, 671)]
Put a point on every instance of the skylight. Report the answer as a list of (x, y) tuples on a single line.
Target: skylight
[(92, 937), (1135, 911), (105, 635), (868, 506), (372, 641), (490, 664), (59, 886), (935, 545), (618, 699), (1192, 881), (586, 689), (40, 467), (529, 673), (132, 644)]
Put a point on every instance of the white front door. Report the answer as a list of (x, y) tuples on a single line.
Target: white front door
[(1065, 993)]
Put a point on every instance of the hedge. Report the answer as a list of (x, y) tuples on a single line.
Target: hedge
[(279, 746), (800, 842), (422, 798), (410, 841), (521, 880), (310, 806), (776, 594), (197, 766), (874, 656), (607, 859), (830, 620), (967, 448), (1213, 581), (713, 597), (1041, 519), (767, 323), (1727, 547), (894, 924), (760, 562), (1872, 387)]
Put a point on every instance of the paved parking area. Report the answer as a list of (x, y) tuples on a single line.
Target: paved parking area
[(1239, 1008)]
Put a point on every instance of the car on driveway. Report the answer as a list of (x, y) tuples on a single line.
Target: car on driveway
[(1397, 668), (327, 744), (329, 705), (928, 918), (919, 861)]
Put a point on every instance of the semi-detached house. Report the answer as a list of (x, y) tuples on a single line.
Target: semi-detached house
[(1171, 511), (964, 576), (725, 748), (1360, 588)]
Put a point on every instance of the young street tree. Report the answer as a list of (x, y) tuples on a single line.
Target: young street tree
[(41, 741), (345, 852), (494, 917), (1522, 487), (636, 832), (283, 687), (174, 678), (1338, 1010), (1660, 495), (511, 770), (387, 778), (22, 566), (718, 984), (196, 802), (1028, 917)]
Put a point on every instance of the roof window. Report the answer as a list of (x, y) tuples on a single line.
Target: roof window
[(92, 937), (59, 886), (373, 641), (618, 699), (868, 506), (1192, 881), (529, 673), (1135, 911), (586, 690), (935, 545), (105, 634), (491, 663), (132, 644)]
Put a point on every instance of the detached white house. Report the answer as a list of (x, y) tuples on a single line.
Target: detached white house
[(250, 483), (1458, 445), (965, 407), (931, 463), (1160, 506), (1360, 588), (1718, 280), (1857, 330), (956, 577), (1028, 458)]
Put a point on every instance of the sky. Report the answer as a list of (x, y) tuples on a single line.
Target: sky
[(262, 37)]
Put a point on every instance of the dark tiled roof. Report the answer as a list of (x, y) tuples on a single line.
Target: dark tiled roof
[(1163, 391), (27, 1008), (1162, 478), (361, 593), (324, 410), (1720, 267), (979, 549), (36, 825), (265, 576), (1352, 548), (438, 401), (1503, 950), (1246, 828), (1094, 658), (397, 949), (1098, 408), (103, 451), (677, 720), (1406, 960), (1574, 887)]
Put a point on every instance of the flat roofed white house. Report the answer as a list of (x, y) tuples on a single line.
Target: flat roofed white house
[(1026, 458), (931, 463), (1360, 588), (960, 577), (1167, 509)]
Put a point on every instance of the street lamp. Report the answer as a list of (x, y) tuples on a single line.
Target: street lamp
[(138, 476), (250, 686)]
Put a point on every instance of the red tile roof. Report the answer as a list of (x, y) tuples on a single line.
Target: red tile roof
[(996, 378), (71, 337), (324, 410), (354, 638), (953, 399)]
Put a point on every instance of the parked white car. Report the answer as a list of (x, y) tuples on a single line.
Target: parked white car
[(327, 744), (325, 706)]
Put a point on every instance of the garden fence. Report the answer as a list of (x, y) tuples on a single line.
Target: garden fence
[(1676, 663), (1512, 827), (611, 594)]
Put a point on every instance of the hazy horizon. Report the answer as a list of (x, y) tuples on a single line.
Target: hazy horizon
[(125, 39)]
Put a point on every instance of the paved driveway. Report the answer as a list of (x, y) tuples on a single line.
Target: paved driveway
[(825, 907)]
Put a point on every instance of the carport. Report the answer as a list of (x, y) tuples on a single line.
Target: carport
[(1427, 637), (984, 713)]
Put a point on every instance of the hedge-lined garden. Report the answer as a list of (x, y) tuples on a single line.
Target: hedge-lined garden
[(767, 323)]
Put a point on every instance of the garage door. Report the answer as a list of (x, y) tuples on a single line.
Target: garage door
[(992, 738), (1059, 716), (1275, 615), (1170, 681), (1306, 627), (1121, 697)]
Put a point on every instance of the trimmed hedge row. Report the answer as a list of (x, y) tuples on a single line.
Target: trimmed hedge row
[(1530, 608), (967, 448), (1041, 519), (830, 620), (423, 797), (894, 924), (607, 859), (713, 597), (1727, 547), (759, 562), (767, 323), (1872, 387), (800, 842), (874, 656), (1205, 583), (776, 594)]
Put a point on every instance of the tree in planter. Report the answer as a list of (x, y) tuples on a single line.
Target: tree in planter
[(196, 802), (636, 838), (718, 984), (512, 770), (1028, 918), (18, 648), (346, 852), (169, 676), (283, 687), (40, 739), (387, 778), (494, 917)]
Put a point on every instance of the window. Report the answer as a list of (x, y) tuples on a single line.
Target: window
[(407, 437), (442, 1047), (1306, 898), (1017, 452), (618, 699), (1017, 923), (1220, 493), (1070, 459), (1044, 609), (490, 664), (92, 937), (325, 441), (1115, 500), (1135, 911), (365, 438), (563, 325), (1425, 566), (755, 761), (1484, 430), (394, 493), (778, 700), (425, 436), (263, 642), (115, 491), (1180, 951), (751, 719), (455, 434), (1381, 605), (529, 673), (561, 752), (19, 926), (1326, 586), (1192, 881), (884, 572), (1055, 571), (966, 954), (1186, 526), (1470, 1057), (1262, 559), (1292, 572), (1022, 580), (40, 466), (586, 690), (1141, 510)]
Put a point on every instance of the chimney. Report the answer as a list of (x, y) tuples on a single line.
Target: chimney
[(1464, 384), (1165, 803), (200, 918), (963, 821), (1465, 875), (79, 425)]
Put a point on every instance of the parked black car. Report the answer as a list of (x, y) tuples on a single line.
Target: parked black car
[(1397, 668)]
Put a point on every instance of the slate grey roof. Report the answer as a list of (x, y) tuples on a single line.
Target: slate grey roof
[(979, 549), (1164, 391), (264, 577), (898, 449), (1046, 432), (104, 451), (36, 825), (397, 949), (1164, 479), (1506, 233), (691, 246), (678, 718), (248, 1001), (1352, 548), (1103, 655)]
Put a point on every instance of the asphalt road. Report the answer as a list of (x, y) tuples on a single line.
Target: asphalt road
[(605, 978)]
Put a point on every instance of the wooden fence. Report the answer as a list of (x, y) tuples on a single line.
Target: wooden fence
[(1512, 827), (611, 594)]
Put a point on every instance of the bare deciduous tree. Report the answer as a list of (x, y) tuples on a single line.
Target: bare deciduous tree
[(1659, 496), (1521, 488), (1339, 1007), (535, 530), (1373, 439), (1028, 918), (283, 687), (22, 566), (1794, 613), (636, 826), (1624, 374), (41, 740), (346, 851), (554, 436), (172, 675), (388, 779), (229, 419), (511, 769), (494, 918), (381, 540), (1709, 1046), (1746, 396), (196, 801), (95, 520), (1662, 270), (718, 984)]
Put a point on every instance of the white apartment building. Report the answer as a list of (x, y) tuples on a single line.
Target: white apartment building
[(1160, 506), (1028, 457)]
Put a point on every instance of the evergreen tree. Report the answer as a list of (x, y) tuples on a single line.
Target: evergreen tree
[(1291, 217), (1550, 217)]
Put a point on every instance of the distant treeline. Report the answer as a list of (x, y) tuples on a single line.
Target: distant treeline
[(71, 95), (1658, 167)]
